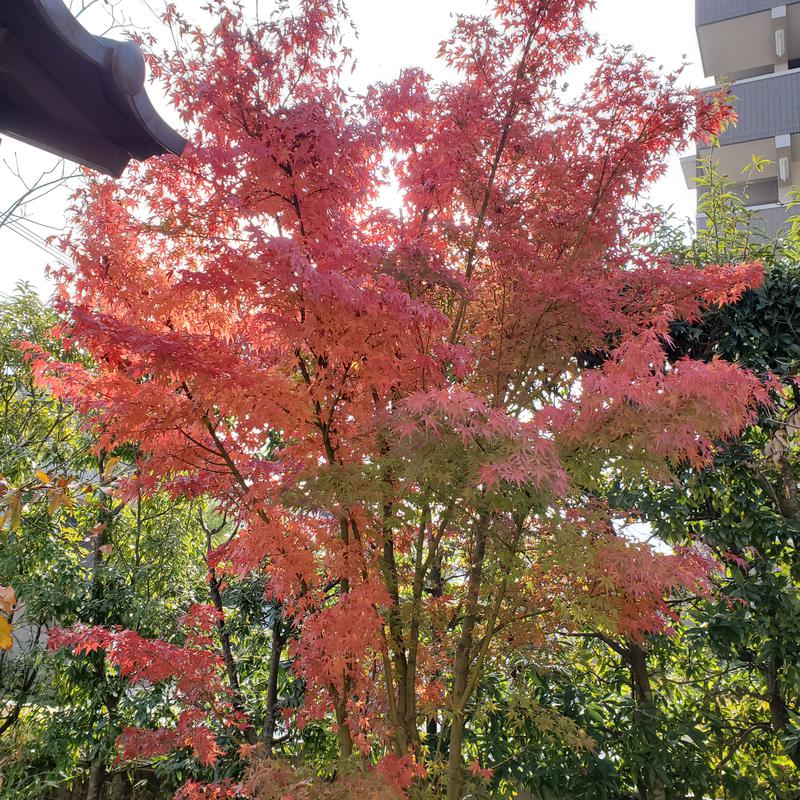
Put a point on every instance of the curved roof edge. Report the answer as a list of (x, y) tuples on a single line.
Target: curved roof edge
[(123, 61)]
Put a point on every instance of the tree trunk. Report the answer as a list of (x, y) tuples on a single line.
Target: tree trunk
[(455, 767), (779, 712), (397, 649), (231, 668), (463, 661), (224, 638), (215, 591), (433, 729), (227, 651), (343, 733), (788, 501), (97, 778), (650, 786), (272, 685), (97, 770)]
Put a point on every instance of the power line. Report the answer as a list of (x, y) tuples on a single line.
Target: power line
[(36, 241), (22, 223), (35, 238)]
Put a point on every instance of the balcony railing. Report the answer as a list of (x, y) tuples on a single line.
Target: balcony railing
[(767, 223), (711, 11), (767, 107)]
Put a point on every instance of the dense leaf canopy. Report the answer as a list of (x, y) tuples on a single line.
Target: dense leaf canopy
[(404, 442)]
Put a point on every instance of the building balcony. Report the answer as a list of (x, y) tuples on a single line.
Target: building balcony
[(754, 45), (768, 128), (707, 12), (766, 107), (744, 38), (768, 222)]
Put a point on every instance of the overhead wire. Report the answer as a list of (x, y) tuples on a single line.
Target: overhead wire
[(34, 236), (37, 241)]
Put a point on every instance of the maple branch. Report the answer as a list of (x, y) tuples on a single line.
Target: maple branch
[(199, 444), (200, 467), (214, 586), (225, 455), (279, 636), (472, 250), (480, 658), (391, 688), (619, 649)]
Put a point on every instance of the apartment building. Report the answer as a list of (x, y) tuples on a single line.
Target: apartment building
[(755, 45)]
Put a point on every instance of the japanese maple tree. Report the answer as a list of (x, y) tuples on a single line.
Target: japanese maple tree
[(406, 408)]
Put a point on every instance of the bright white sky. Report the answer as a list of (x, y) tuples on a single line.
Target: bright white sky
[(392, 34)]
